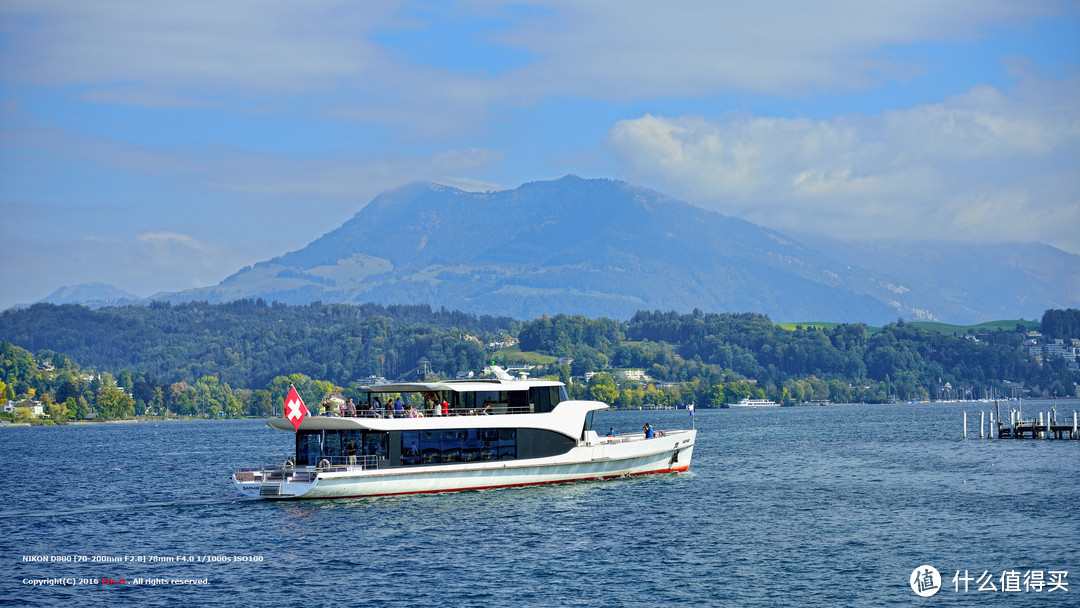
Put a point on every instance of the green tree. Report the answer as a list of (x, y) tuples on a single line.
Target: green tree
[(209, 396), (157, 402), (114, 404), (310, 391), (71, 408), (602, 388), (260, 404)]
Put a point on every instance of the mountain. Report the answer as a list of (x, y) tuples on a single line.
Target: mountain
[(963, 282), (599, 248), (90, 294)]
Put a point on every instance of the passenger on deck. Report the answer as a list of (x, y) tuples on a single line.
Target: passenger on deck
[(350, 409), (648, 431), (350, 451), (376, 408), (445, 408), (611, 433), (328, 407), (399, 408)]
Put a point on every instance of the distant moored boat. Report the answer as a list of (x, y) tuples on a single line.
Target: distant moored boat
[(748, 402)]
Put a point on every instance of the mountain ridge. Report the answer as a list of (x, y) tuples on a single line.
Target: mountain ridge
[(602, 247)]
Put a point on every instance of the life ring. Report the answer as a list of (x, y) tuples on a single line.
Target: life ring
[(324, 463), (289, 463)]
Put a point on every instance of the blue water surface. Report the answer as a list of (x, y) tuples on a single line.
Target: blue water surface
[(822, 506)]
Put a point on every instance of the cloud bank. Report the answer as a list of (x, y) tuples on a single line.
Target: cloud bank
[(985, 165)]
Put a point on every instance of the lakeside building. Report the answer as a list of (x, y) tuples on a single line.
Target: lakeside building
[(637, 375), (36, 409)]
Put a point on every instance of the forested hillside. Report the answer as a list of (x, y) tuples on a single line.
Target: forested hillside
[(844, 363), (249, 342), (239, 358)]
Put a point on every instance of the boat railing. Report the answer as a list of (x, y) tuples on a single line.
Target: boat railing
[(284, 468), (422, 413), (639, 436), (347, 463)]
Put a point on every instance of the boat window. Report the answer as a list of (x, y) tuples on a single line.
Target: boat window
[(308, 447), (545, 398), (541, 399), (410, 447), (313, 447), (494, 402), (588, 424), (450, 442), (507, 444), (518, 402), (470, 448), (457, 445), (376, 444), (541, 443)]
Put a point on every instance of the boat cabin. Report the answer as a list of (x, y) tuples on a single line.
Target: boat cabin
[(480, 421)]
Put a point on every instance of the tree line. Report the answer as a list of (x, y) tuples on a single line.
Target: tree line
[(239, 358), (717, 358)]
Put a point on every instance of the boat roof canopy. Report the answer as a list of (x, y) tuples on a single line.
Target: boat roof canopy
[(460, 386)]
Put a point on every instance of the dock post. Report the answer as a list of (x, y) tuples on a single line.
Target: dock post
[(1048, 435), (991, 424), (965, 424), (982, 424), (1074, 435), (997, 406)]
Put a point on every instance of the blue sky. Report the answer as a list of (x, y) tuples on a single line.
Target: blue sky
[(157, 148)]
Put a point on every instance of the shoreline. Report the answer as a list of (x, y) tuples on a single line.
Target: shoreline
[(123, 421)]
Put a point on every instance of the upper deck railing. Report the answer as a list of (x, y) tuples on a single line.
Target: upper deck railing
[(427, 413)]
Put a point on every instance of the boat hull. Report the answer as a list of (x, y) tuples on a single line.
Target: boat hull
[(606, 459)]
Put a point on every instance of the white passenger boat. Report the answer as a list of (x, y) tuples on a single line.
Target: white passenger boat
[(456, 435), (748, 402)]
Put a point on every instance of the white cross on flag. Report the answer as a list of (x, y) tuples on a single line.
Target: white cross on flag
[(295, 410)]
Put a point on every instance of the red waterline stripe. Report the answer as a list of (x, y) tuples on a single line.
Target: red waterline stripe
[(510, 485)]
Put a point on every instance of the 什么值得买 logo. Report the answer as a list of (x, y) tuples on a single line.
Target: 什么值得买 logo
[(925, 581)]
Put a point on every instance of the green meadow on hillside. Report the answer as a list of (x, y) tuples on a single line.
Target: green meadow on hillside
[(514, 356), (941, 328)]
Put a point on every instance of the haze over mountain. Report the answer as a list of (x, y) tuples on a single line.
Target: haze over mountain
[(98, 294), (605, 248)]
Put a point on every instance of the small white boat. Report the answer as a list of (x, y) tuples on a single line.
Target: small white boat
[(748, 402), (460, 435)]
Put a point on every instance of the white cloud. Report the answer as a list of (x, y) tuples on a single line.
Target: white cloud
[(265, 45), (643, 48), (207, 53), (987, 164), (355, 179), (169, 239), (334, 175)]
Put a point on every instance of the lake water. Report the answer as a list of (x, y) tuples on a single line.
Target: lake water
[(826, 506)]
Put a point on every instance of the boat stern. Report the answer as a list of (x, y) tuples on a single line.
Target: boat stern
[(275, 481)]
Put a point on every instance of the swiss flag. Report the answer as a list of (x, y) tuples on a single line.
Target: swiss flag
[(295, 410)]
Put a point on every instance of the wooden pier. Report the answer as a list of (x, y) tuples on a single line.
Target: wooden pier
[(1046, 426)]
